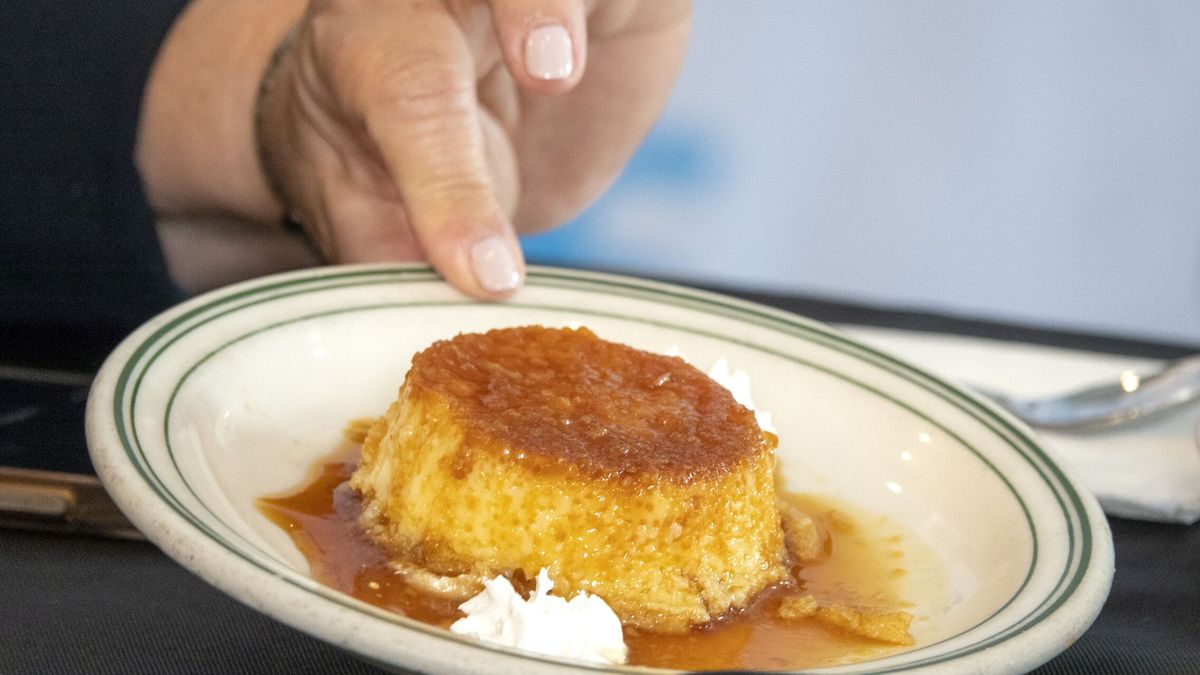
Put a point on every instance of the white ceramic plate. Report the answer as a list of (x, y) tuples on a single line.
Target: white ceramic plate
[(234, 394)]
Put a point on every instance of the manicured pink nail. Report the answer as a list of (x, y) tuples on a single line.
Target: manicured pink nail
[(548, 54), (494, 266)]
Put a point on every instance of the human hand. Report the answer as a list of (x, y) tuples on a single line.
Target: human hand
[(404, 130)]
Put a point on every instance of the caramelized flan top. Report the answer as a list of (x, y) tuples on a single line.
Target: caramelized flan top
[(565, 397)]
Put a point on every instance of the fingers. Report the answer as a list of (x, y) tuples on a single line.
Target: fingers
[(544, 42), (391, 87), (572, 147), (421, 113)]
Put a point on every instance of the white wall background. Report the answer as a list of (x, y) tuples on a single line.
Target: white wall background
[(1025, 161)]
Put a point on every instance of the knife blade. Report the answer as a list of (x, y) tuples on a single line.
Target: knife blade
[(33, 499)]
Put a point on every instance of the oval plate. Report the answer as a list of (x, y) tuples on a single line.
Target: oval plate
[(234, 394)]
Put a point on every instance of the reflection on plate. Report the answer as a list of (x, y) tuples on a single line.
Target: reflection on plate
[(234, 394)]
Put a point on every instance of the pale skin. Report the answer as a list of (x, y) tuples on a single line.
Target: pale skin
[(429, 130)]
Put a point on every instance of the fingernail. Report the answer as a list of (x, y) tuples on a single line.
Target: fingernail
[(548, 54), (494, 266)]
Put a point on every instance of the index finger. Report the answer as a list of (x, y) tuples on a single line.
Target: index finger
[(420, 110)]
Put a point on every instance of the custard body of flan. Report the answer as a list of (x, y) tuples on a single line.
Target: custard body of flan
[(628, 474)]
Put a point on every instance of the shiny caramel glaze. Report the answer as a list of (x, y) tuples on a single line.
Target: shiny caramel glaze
[(577, 402), (863, 566)]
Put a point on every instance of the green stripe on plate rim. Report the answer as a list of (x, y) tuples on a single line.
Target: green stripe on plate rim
[(192, 317)]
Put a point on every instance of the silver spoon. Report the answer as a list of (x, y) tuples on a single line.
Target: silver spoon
[(1131, 397)]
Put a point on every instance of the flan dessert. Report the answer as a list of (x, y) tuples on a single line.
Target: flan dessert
[(629, 475)]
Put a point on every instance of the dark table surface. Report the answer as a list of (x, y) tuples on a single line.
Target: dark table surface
[(76, 604)]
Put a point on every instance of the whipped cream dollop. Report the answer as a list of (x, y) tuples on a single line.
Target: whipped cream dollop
[(583, 628), (737, 382)]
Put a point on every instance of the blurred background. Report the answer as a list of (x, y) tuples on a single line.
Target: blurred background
[(1028, 162)]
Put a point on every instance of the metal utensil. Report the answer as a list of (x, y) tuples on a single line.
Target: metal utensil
[(61, 502), (1132, 396)]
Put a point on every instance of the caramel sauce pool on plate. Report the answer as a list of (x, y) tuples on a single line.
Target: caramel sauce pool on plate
[(864, 567)]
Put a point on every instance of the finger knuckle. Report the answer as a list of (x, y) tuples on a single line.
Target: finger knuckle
[(465, 191), (420, 87)]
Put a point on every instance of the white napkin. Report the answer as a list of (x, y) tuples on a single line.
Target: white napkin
[(1149, 470)]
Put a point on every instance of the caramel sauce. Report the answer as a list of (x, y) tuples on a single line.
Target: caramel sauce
[(863, 567), (554, 392)]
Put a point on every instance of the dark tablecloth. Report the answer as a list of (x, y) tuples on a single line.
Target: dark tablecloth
[(74, 604)]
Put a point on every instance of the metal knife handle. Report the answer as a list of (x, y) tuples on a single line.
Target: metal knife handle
[(32, 499)]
